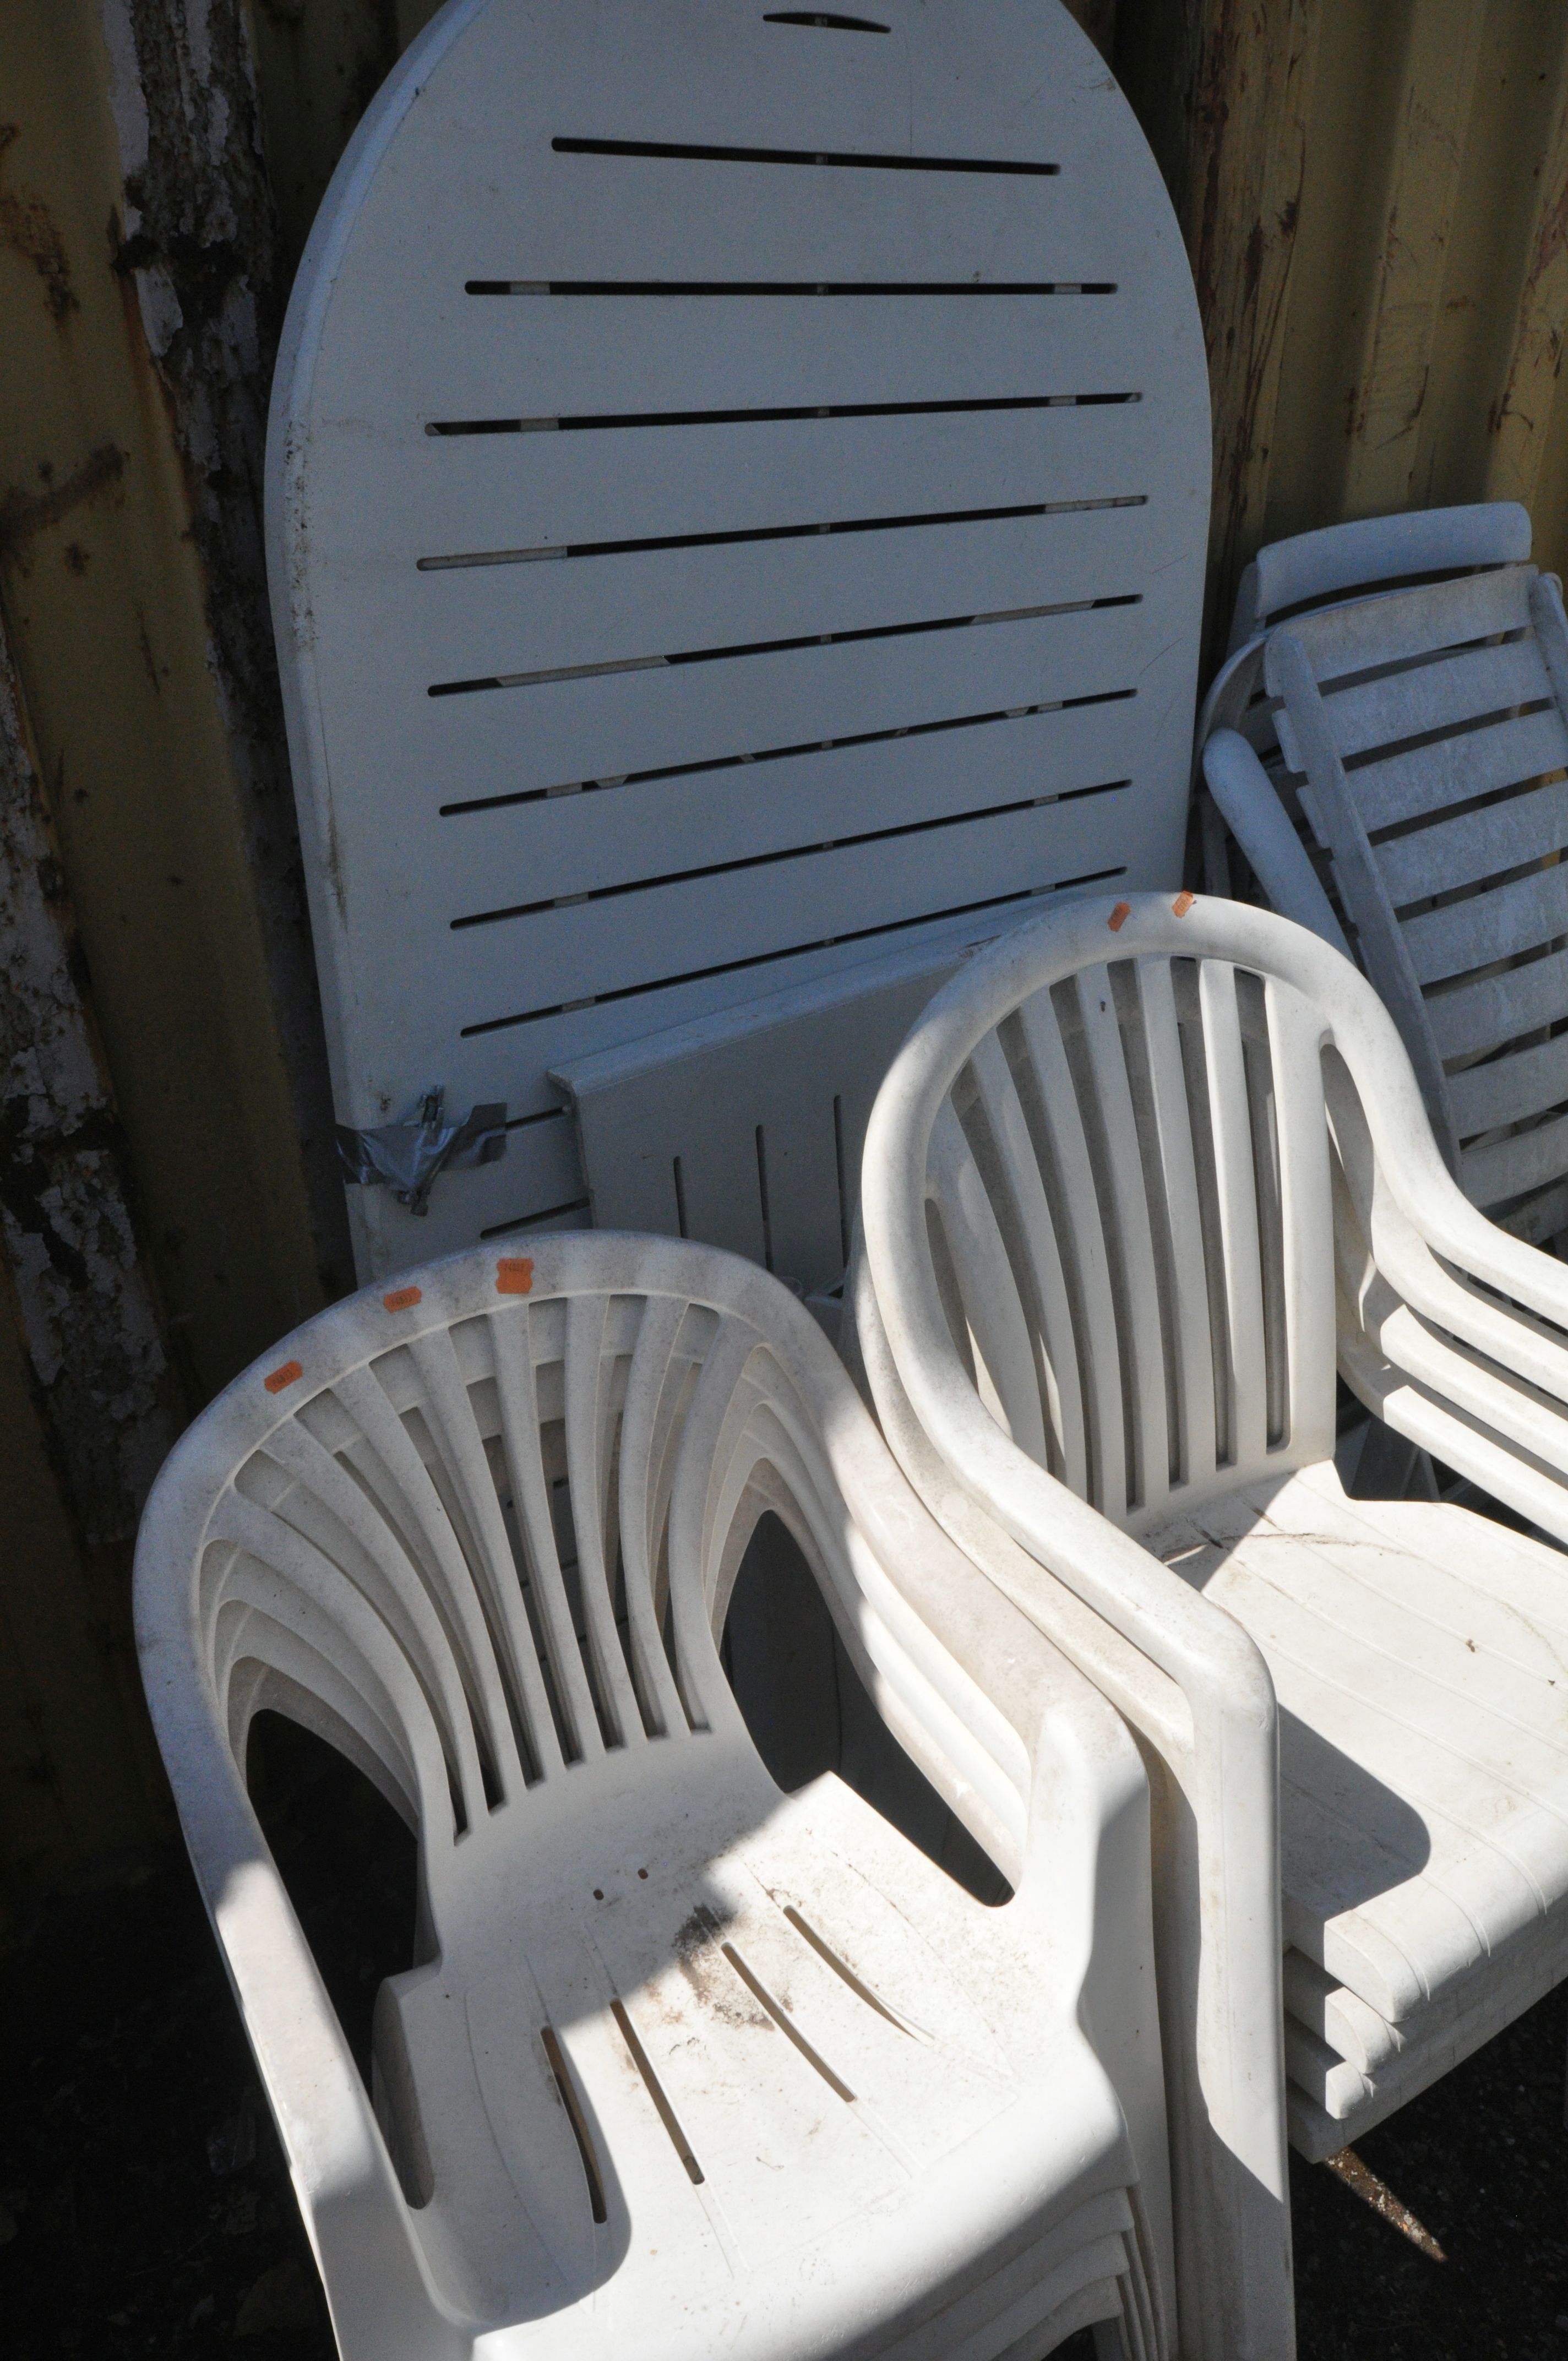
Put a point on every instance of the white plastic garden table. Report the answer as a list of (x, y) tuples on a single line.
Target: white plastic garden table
[(738, 491)]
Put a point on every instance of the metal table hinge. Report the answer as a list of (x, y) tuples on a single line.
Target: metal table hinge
[(408, 1157)]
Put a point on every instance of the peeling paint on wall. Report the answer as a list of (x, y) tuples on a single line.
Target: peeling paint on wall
[(199, 245), (87, 1311)]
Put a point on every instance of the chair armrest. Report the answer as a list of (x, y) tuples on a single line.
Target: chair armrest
[(383, 2303), (964, 1680), (1245, 793), (1451, 1329), (1080, 1847), (1185, 1674)]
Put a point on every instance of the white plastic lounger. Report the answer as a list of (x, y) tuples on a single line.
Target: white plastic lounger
[(684, 2066), (1140, 1175), (1417, 740), (738, 491)]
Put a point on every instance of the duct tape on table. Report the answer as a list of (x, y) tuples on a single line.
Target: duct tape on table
[(409, 1157)]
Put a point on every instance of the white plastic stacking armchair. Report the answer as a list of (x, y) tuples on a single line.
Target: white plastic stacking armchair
[(686, 2066), (1136, 1178), (1399, 753)]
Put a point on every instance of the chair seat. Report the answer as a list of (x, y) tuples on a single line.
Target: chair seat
[(702, 2018), (1419, 1654)]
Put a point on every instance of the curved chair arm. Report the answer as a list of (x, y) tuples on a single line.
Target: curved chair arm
[(975, 1660), (1079, 1855), (1451, 1331), (1221, 1739), (1256, 817), (1037, 1764), (381, 2297)]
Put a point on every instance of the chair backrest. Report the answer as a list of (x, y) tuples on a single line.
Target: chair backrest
[(1372, 552), (1367, 558), (846, 370), (1128, 1210), (480, 1534), (1424, 735)]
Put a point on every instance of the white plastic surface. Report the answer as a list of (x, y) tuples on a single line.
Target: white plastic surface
[(745, 1128), (1431, 792), (1115, 1184), (1312, 567), (686, 2066), (830, 511)]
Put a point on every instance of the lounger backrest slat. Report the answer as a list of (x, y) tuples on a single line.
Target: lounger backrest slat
[(1500, 924), (1406, 625), (1349, 557)]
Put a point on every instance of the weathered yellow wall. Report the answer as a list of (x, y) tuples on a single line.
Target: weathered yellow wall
[(109, 615), (1375, 198)]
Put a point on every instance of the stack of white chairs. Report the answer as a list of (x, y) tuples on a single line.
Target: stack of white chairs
[(1136, 1181), (682, 2065)]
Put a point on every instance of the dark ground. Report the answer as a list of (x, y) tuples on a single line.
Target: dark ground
[(145, 2208)]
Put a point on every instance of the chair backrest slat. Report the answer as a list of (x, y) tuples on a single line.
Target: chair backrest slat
[(450, 1413), (1057, 1122), (998, 1341), (1498, 925), (1186, 1279), (1406, 625), (1492, 1009), (1508, 1088), (295, 1586), (1349, 557), (428, 1530), (1526, 1160), (591, 1433), (1031, 1244), (1306, 1220), (652, 1381), (337, 1517), (1429, 777), (513, 1344), (1135, 1277), (1229, 1119), (1481, 843)]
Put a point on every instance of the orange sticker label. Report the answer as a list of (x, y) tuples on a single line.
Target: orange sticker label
[(1182, 904), (1119, 916), (283, 1377), (514, 1275), (402, 1298)]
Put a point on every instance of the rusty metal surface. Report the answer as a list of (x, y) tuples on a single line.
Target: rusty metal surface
[(1376, 197), (86, 1405), (131, 582), (92, 1328)]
